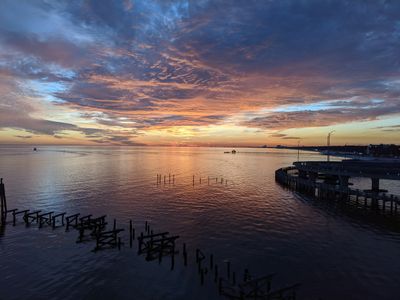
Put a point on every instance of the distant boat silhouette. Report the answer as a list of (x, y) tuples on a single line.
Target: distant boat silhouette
[(34, 149), (233, 151)]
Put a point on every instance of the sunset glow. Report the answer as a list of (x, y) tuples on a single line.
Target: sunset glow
[(199, 73)]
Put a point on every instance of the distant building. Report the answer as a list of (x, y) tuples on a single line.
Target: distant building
[(384, 150)]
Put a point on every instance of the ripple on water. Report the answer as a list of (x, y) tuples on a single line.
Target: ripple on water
[(336, 252)]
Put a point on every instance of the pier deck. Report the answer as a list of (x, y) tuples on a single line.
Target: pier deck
[(330, 180)]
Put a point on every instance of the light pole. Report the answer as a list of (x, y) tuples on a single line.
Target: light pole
[(328, 142), (298, 150)]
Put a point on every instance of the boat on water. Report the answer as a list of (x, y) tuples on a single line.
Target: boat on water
[(233, 151)]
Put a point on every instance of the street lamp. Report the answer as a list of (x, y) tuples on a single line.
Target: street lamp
[(328, 142), (298, 150)]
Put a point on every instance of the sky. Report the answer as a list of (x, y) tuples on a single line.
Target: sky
[(199, 73)]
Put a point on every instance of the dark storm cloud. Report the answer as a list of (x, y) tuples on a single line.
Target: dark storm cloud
[(324, 35)]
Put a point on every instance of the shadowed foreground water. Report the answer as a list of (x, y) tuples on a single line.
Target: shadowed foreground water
[(336, 253)]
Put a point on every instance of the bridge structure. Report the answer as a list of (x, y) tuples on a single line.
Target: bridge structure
[(331, 180)]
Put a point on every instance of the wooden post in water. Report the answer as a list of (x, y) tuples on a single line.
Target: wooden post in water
[(140, 243), (208, 180), (246, 275), (184, 255), (172, 257), (391, 204), (193, 180), (160, 253), (173, 179), (3, 202), (228, 268), (130, 233), (216, 273)]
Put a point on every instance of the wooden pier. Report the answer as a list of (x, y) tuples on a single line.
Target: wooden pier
[(154, 246), (330, 181)]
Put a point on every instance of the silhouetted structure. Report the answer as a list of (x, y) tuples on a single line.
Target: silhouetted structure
[(3, 200), (154, 246), (330, 180), (383, 150)]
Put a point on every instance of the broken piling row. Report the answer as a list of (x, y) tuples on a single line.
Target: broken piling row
[(153, 246)]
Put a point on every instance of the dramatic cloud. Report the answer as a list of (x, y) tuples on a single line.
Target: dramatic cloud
[(334, 113), (120, 72)]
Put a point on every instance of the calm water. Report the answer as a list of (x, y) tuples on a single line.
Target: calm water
[(335, 252)]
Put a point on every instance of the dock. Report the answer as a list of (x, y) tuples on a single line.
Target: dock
[(331, 181)]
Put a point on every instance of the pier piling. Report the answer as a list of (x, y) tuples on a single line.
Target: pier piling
[(130, 233), (3, 202), (228, 269), (184, 255), (215, 273)]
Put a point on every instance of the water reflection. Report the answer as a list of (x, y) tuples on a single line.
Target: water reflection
[(251, 221)]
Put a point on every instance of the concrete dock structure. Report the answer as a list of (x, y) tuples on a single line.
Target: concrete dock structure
[(330, 180)]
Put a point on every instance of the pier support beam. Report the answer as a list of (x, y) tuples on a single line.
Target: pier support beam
[(302, 174), (344, 181), (312, 176), (3, 203), (375, 185)]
